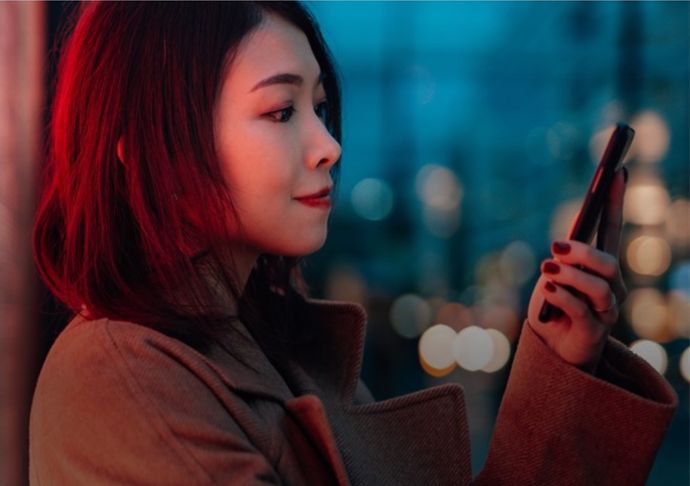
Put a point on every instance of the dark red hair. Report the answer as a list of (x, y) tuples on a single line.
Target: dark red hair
[(126, 238)]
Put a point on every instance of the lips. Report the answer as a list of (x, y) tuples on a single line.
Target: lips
[(320, 199), (323, 192)]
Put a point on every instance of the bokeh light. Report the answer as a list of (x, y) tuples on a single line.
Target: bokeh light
[(679, 313), (441, 194), (685, 364), (647, 312), (372, 199), (678, 223), (435, 354), (473, 348), (438, 187), (487, 269), (652, 137), (562, 140), (648, 255), (653, 353), (501, 351), (517, 263), (455, 315), (646, 200), (410, 315)]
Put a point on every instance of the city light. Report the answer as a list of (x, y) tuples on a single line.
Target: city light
[(646, 200), (501, 351), (434, 348), (473, 348), (653, 353), (410, 315), (648, 255), (372, 199), (647, 312)]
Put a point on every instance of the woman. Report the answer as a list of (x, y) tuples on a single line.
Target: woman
[(191, 147)]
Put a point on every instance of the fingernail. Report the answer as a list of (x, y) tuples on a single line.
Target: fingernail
[(625, 174), (549, 287), (560, 248), (551, 267)]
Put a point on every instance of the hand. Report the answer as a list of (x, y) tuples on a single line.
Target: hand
[(591, 303)]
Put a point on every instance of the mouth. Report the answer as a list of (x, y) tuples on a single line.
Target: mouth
[(316, 202)]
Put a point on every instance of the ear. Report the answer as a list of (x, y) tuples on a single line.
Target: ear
[(120, 151)]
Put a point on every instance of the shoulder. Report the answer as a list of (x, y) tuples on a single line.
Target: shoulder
[(117, 398), (116, 357), (110, 362)]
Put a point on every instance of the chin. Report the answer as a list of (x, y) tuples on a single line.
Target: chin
[(305, 248)]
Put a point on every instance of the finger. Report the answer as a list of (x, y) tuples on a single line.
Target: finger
[(573, 307), (593, 289), (596, 261), (611, 223)]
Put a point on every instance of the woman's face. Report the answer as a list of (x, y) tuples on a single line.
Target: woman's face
[(272, 142)]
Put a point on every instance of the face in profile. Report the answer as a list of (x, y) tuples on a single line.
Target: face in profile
[(272, 140)]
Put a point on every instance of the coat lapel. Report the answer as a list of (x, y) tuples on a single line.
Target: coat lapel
[(421, 437)]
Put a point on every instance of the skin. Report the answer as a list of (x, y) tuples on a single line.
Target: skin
[(270, 154), (579, 335)]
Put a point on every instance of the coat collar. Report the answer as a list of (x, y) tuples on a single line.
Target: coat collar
[(420, 428), (333, 358)]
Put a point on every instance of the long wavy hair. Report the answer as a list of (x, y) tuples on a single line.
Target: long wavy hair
[(137, 239)]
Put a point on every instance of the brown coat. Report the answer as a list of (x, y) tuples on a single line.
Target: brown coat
[(118, 403)]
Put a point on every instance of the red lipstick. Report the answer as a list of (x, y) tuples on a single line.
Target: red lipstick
[(319, 199)]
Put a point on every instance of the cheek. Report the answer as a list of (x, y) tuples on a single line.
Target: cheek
[(257, 171)]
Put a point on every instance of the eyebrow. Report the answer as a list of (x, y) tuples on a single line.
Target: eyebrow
[(286, 78)]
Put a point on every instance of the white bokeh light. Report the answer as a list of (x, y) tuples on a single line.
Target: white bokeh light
[(501, 353), (473, 348), (653, 353)]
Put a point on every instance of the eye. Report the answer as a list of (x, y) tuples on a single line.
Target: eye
[(285, 114)]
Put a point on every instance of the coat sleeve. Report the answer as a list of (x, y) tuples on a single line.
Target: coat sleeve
[(110, 411), (558, 425)]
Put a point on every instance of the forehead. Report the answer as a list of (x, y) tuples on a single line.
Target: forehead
[(275, 46)]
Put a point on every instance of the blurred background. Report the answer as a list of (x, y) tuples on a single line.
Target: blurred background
[(470, 133)]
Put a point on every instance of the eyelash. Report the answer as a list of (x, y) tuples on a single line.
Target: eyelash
[(291, 110)]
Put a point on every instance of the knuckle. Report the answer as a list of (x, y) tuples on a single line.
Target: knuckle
[(601, 288)]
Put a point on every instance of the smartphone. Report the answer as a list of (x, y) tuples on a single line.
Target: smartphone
[(587, 221)]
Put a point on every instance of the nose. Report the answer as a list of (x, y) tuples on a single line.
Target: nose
[(324, 149)]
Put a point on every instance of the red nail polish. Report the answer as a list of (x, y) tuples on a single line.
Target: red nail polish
[(549, 287), (560, 248), (551, 267)]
